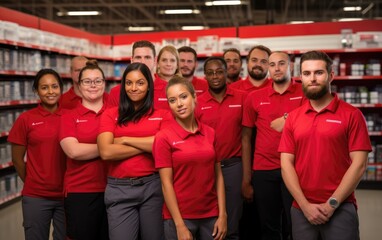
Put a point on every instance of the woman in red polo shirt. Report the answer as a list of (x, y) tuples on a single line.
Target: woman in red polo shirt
[(35, 133), (192, 180), (133, 195), (85, 177)]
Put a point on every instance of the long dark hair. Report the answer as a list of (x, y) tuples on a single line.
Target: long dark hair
[(126, 110), (44, 72)]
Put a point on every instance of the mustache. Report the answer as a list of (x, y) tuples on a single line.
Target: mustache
[(257, 67)]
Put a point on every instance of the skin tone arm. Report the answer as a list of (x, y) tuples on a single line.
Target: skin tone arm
[(18, 153), (143, 143), (109, 151), (278, 124), (220, 227), (79, 151), (166, 176), (246, 186)]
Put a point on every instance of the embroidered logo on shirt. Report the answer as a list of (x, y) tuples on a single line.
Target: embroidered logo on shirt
[(264, 103), (333, 121), (208, 107), (175, 143), (196, 90), (234, 105), (37, 123), (154, 119), (295, 98), (162, 99), (81, 121)]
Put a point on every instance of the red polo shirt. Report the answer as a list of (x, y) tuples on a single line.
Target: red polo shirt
[(141, 164), (192, 159), (225, 117), (260, 109), (160, 98), (37, 130), (321, 142), (83, 175), (247, 86), (69, 100), (200, 85), (113, 100)]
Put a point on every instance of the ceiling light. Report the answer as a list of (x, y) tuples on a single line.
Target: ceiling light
[(79, 13), (140, 29), (222, 3), (352, 8), (193, 27), (180, 11), (349, 19), (300, 22)]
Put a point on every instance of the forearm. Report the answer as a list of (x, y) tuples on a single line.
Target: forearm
[(109, 151), (82, 151), (220, 190), (18, 153), (143, 143), (246, 150)]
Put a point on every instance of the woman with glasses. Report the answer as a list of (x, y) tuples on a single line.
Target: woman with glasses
[(34, 135), (85, 177), (133, 195)]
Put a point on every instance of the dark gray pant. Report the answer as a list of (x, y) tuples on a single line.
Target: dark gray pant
[(134, 207), (37, 216), (201, 229), (232, 175), (343, 225)]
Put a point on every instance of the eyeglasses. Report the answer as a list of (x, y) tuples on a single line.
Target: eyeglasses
[(218, 73), (89, 82)]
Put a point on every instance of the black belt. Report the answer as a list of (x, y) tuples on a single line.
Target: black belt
[(134, 181), (230, 161)]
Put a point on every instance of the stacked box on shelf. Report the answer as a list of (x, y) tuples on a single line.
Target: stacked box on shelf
[(5, 153), (10, 184)]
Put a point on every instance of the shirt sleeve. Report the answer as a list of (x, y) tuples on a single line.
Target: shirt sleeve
[(359, 139), (249, 113), (167, 119), (162, 151), (287, 143), (19, 131), (68, 126), (108, 120)]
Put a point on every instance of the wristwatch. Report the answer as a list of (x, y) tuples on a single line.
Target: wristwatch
[(333, 202)]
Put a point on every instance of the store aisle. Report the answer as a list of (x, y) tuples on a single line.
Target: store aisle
[(370, 215)]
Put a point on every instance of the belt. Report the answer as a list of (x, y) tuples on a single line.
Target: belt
[(230, 161), (134, 181)]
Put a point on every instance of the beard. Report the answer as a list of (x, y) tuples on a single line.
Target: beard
[(190, 74), (233, 76), (282, 80), (315, 94), (257, 76)]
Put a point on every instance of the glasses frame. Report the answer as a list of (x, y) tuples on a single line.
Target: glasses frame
[(91, 82)]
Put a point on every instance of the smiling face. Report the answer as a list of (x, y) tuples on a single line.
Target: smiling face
[(181, 101), (136, 87), (167, 64), (258, 64), (216, 75), (92, 85), (49, 91), (144, 55), (234, 63), (187, 64), (279, 69)]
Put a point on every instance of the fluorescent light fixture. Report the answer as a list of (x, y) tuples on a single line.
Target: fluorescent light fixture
[(140, 29), (300, 22), (349, 19), (352, 8), (193, 27), (79, 13), (222, 3), (180, 11)]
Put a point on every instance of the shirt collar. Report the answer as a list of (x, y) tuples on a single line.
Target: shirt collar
[(45, 112), (209, 97), (332, 107), (291, 88), (183, 134)]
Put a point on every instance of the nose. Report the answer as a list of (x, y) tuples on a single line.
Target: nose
[(179, 102)]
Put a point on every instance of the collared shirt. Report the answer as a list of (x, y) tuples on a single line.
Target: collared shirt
[(247, 86), (37, 130), (321, 143), (192, 159), (113, 100), (160, 98), (260, 109), (70, 99), (200, 85), (225, 117)]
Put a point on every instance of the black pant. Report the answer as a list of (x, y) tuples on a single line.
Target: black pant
[(272, 200)]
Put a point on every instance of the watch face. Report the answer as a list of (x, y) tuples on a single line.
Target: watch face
[(333, 202)]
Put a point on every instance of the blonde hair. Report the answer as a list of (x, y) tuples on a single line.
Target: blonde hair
[(173, 51)]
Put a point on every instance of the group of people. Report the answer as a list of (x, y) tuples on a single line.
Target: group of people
[(168, 155)]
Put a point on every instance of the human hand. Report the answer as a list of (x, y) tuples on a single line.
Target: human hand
[(183, 233), (315, 213), (247, 191), (278, 124), (220, 228)]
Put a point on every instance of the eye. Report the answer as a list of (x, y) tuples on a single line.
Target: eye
[(171, 100), (55, 86), (264, 61), (128, 83)]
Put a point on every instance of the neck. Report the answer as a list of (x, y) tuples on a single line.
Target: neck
[(321, 103), (219, 94), (257, 83), (189, 78), (50, 108), (94, 105), (76, 89), (166, 78), (281, 87), (189, 124)]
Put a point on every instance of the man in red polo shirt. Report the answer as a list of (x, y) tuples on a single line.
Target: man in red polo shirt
[(267, 109), (188, 61), (222, 109), (324, 150), (143, 52), (257, 66), (72, 97), (232, 57)]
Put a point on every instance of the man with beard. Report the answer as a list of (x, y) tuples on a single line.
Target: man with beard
[(188, 63), (267, 109), (257, 66), (233, 59), (222, 109), (324, 148)]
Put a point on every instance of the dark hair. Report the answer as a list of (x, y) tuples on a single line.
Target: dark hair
[(187, 49), (142, 44), (90, 65), (44, 72), (235, 50), (126, 110), (211, 59), (317, 55), (260, 47), (181, 80)]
